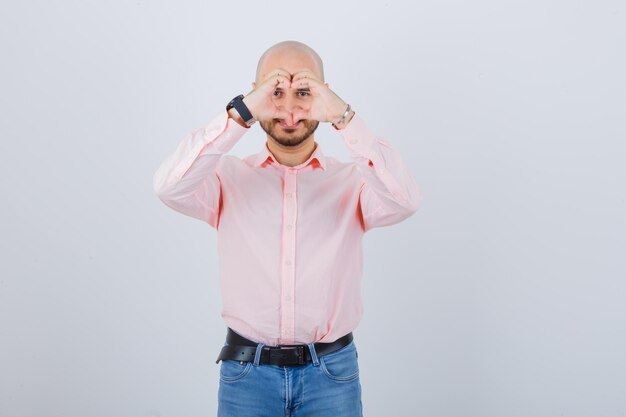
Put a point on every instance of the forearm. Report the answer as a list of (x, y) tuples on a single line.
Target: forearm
[(187, 180), (389, 193)]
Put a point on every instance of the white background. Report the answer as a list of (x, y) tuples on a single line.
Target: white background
[(504, 295)]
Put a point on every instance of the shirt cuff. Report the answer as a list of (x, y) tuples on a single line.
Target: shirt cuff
[(359, 139)]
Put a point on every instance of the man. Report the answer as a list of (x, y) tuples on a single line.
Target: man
[(290, 222)]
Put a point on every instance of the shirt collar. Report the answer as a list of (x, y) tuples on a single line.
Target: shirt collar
[(317, 157)]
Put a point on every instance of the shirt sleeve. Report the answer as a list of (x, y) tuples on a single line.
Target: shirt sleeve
[(388, 193), (188, 179)]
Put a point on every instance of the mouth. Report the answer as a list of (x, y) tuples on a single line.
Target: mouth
[(286, 126)]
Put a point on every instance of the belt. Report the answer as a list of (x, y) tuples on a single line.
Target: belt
[(242, 349)]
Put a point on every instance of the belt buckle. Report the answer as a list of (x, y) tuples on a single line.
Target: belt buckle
[(299, 351)]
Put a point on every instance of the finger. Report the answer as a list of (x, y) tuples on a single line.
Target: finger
[(304, 74), (273, 79), (283, 82), (305, 82), (283, 77), (280, 72), (277, 81)]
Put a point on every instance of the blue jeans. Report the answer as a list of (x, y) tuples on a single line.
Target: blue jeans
[(328, 386)]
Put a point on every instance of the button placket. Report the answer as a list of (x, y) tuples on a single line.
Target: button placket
[(290, 209)]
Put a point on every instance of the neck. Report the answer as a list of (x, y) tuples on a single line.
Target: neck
[(291, 155)]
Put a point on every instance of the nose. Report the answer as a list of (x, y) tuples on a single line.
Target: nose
[(289, 103)]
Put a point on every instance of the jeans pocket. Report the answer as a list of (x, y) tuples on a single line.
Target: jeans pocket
[(232, 370), (341, 365)]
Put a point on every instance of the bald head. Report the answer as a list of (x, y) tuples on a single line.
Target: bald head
[(291, 55)]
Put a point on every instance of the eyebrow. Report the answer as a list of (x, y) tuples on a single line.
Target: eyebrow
[(299, 89)]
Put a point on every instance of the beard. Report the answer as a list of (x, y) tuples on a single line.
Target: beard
[(289, 137)]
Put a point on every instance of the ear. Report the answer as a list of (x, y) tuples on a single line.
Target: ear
[(253, 85), (327, 85)]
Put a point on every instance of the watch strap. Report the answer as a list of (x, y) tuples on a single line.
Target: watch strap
[(242, 109)]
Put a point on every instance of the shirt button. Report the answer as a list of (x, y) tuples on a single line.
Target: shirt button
[(289, 227), (289, 195), (288, 263), (287, 298)]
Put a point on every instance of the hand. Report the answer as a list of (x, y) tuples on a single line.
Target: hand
[(326, 106), (260, 101)]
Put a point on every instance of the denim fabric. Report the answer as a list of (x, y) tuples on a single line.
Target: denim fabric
[(328, 386)]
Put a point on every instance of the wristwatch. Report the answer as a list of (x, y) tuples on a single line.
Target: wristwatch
[(242, 109)]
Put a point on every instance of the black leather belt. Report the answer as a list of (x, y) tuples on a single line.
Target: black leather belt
[(242, 349)]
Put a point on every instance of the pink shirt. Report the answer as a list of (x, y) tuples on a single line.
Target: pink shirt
[(289, 238)]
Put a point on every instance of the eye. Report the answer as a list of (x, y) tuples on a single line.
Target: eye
[(276, 93), (304, 93)]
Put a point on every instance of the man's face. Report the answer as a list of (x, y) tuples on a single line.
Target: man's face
[(290, 99)]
